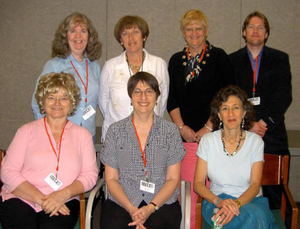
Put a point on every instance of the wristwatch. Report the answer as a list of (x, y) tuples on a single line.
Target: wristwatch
[(155, 206)]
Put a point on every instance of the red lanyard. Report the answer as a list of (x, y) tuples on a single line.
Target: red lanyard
[(87, 79), (189, 57), (57, 155), (254, 75), (141, 149)]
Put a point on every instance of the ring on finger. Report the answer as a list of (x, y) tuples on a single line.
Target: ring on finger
[(230, 203)]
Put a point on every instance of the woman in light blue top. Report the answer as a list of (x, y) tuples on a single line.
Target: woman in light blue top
[(75, 50), (232, 158)]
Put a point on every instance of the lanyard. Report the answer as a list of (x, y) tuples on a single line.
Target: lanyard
[(57, 155), (87, 79), (254, 74), (200, 59), (141, 149)]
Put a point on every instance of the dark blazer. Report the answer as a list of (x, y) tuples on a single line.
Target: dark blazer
[(273, 87)]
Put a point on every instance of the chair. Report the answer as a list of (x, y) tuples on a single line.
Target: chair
[(275, 172), (80, 223), (185, 203)]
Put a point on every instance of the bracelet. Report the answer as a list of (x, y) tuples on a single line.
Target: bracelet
[(155, 206), (238, 203), (207, 127), (181, 127), (217, 202)]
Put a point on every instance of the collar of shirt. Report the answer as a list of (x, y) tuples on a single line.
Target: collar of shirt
[(73, 59), (252, 61)]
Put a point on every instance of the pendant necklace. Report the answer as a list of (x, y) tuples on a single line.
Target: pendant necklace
[(135, 67)]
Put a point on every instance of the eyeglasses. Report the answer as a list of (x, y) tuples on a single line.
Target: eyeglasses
[(259, 27), (148, 93), (62, 100)]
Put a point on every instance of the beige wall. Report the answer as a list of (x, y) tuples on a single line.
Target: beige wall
[(27, 30)]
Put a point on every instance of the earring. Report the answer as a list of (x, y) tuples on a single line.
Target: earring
[(243, 123), (220, 124)]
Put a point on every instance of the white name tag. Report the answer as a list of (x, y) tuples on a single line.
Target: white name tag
[(88, 112), (147, 186), (54, 182), (255, 101)]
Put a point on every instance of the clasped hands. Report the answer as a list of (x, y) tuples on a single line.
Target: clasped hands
[(228, 209), (140, 215), (54, 203), (190, 136)]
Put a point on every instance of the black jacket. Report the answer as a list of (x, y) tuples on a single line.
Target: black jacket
[(273, 87)]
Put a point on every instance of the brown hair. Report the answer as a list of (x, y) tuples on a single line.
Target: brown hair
[(60, 44), (128, 22), (144, 77), (193, 15), (222, 96), (262, 17), (51, 83)]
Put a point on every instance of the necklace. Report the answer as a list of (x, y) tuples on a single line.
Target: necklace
[(238, 145), (135, 67)]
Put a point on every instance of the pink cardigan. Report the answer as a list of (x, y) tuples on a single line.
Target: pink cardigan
[(30, 158)]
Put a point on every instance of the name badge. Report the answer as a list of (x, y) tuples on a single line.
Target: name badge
[(54, 182), (88, 112), (147, 186), (255, 101)]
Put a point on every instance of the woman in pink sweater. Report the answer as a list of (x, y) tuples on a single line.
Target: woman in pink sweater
[(49, 162)]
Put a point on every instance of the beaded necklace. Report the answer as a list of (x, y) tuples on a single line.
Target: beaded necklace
[(135, 67), (238, 145)]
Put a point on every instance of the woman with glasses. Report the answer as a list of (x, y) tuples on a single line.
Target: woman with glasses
[(142, 155), (131, 32), (49, 162)]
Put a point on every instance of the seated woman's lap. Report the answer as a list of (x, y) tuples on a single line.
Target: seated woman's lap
[(256, 212), (14, 213), (114, 216)]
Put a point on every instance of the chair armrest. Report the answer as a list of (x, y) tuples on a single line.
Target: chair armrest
[(82, 210), (289, 198), (199, 218), (187, 210), (89, 208), (182, 202)]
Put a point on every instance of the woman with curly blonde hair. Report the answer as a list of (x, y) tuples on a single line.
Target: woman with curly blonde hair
[(75, 50), (49, 162)]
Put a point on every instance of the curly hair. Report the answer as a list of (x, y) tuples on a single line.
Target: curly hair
[(51, 83), (222, 96), (60, 44), (127, 22)]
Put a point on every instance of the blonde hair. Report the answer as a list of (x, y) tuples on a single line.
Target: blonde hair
[(51, 83), (193, 15)]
